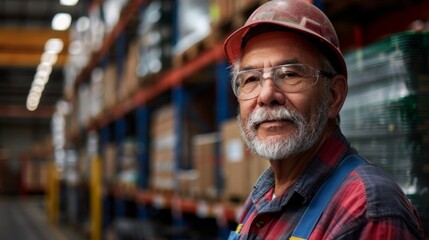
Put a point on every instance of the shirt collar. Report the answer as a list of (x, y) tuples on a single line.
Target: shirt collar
[(333, 151)]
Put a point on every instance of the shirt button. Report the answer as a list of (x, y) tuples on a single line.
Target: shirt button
[(260, 224)]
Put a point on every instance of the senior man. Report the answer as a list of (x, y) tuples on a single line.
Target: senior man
[(290, 79)]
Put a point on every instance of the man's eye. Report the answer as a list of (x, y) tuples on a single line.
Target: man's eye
[(286, 74), (250, 79)]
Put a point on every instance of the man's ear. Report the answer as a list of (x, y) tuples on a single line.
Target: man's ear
[(338, 90)]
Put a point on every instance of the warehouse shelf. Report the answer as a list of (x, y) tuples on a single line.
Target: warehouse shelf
[(130, 118), (166, 81), (129, 11), (180, 204)]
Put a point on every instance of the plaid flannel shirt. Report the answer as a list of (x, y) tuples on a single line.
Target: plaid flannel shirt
[(368, 204)]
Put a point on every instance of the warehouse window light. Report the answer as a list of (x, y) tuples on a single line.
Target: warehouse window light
[(61, 21), (68, 2)]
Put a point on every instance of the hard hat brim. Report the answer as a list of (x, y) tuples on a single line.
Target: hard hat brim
[(234, 43)]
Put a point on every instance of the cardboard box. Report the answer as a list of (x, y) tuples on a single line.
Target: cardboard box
[(241, 167), (129, 80), (205, 162), (110, 87), (109, 166), (162, 149), (235, 165)]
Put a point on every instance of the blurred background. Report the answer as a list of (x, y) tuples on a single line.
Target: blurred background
[(117, 118)]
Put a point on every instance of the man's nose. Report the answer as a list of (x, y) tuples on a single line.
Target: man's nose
[(270, 93)]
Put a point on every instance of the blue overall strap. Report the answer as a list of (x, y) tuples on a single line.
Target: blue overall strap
[(323, 196)]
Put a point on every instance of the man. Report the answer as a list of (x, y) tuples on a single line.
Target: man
[(290, 79)]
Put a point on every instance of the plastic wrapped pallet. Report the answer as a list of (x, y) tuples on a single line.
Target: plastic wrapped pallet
[(385, 113)]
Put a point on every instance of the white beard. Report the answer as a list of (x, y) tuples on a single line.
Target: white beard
[(298, 141)]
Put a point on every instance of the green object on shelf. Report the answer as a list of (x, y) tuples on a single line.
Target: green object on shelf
[(387, 105)]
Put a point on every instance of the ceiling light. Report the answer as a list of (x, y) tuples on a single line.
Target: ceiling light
[(69, 2), (31, 106), (38, 81), (49, 58), (54, 45), (37, 88), (33, 101), (44, 69), (61, 21)]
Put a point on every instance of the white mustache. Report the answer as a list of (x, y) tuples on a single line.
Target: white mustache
[(271, 114)]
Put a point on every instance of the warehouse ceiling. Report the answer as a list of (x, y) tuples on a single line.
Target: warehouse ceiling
[(25, 26)]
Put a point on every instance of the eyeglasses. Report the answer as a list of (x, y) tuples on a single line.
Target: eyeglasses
[(289, 78)]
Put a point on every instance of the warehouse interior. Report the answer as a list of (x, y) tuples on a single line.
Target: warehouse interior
[(122, 123)]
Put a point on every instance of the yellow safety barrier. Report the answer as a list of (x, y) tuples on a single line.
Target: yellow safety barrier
[(52, 196), (95, 198)]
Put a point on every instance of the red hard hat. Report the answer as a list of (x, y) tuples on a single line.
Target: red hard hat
[(296, 15)]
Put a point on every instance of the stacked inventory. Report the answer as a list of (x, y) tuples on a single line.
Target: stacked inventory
[(155, 39), (387, 106), (127, 167), (205, 160), (193, 23), (241, 167), (162, 149)]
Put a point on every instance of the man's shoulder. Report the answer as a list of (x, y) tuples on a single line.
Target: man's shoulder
[(382, 195)]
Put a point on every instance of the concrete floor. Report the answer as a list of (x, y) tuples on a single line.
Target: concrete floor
[(25, 219)]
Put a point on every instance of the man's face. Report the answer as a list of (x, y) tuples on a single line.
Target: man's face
[(277, 125)]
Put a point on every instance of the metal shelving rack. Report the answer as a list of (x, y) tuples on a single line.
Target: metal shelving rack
[(112, 127)]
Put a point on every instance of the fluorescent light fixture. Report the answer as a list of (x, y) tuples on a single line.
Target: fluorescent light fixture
[(31, 106), (33, 101), (49, 58), (61, 21), (44, 69), (54, 45), (37, 89), (41, 78), (69, 2)]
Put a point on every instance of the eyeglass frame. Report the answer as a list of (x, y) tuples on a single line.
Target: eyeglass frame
[(316, 73)]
